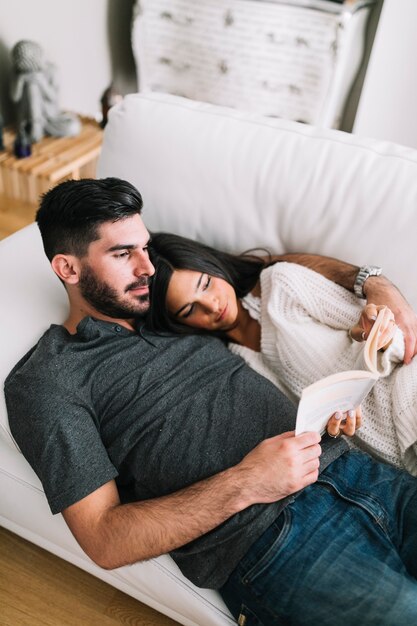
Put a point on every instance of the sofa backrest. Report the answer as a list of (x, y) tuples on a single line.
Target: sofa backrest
[(32, 299), (239, 180)]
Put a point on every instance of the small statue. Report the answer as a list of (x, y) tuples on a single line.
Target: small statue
[(35, 90)]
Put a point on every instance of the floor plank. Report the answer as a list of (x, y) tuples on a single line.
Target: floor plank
[(14, 215), (39, 589)]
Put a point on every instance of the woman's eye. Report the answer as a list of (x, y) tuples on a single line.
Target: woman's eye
[(189, 312), (207, 283)]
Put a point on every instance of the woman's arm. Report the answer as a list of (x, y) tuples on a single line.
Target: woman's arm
[(378, 290)]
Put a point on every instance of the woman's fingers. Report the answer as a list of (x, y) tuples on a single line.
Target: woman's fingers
[(357, 333), (344, 423), (360, 332), (333, 425)]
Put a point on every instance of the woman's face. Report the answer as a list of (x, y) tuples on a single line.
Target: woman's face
[(202, 301)]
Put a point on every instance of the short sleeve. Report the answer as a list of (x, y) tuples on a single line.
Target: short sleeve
[(58, 435)]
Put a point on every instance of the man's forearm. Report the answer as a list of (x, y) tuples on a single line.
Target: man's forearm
[(342, 273), (122, 534), (114, 534)]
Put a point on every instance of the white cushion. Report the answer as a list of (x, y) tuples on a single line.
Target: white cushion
[(291, 59), (239, 180)]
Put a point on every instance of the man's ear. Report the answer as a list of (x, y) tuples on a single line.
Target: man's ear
[(67, 268)]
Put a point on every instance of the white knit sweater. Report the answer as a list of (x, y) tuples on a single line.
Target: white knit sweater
[(305, 320)]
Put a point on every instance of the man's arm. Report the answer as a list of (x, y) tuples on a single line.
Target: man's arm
[(378, 290), (115, 534)]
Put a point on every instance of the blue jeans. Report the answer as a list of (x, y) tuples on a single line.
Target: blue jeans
[(343, 553)]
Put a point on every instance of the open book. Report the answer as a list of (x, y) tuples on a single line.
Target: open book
[(339, 392)]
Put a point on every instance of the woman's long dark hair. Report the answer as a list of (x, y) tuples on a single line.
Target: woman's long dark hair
[(170, 252)]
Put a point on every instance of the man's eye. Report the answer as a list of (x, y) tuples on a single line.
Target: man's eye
[(120, 255)]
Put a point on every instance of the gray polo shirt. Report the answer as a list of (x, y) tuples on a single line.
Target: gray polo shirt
[(156, 413)]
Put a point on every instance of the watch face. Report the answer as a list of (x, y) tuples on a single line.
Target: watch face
[(374, 271), (370, 270)]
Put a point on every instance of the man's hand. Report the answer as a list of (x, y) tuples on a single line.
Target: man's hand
[(380, 290), (280, 466)]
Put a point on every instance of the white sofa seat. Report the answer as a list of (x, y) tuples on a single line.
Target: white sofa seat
[(234, 180)]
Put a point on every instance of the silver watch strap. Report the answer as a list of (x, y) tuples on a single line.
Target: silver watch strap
[(364, 273)]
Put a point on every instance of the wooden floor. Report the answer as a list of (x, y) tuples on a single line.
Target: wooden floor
[(39, 589), (14, 215)]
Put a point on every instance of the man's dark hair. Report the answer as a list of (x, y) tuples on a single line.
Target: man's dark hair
[(70, 214)]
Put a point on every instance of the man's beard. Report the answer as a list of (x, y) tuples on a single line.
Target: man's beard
[(105, 299)]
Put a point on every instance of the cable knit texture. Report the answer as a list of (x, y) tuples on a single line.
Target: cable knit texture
[(305, 320)]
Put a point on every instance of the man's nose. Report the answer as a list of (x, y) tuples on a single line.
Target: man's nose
[(144, 265)]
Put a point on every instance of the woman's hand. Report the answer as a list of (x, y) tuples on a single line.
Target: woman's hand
[(380, 290), (360, 332), (344, 423)]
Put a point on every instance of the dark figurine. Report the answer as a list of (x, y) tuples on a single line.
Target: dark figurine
[(22, 146)]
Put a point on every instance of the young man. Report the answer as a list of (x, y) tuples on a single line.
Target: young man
[(150, 444)]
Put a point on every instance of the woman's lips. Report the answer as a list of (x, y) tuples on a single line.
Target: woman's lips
[(222, 314)]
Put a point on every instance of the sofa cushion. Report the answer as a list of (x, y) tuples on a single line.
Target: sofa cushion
[(239, 180)]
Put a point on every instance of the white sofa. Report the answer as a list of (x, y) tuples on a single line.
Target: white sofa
[(235, 180)]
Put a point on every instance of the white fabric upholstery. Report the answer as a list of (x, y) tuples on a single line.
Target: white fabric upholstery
[(239, 180), (230, 179)]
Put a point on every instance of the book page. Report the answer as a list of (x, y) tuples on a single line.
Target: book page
[(339, 392), (371, 344), (342, 391)]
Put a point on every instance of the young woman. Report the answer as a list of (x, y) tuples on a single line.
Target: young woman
[(293, 326)]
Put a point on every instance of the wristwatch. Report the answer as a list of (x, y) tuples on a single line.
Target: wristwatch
[(364, 273)]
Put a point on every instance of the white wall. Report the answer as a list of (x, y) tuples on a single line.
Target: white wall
[(79, 37), (388, 104)]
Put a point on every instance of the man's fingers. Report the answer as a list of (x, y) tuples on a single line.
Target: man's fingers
[(409, 329), (410, 348)]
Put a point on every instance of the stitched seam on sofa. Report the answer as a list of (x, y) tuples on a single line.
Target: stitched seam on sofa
[(21, 481), (350, 140)]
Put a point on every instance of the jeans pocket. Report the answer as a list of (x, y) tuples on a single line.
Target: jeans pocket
[(268, 547), (248, 617)]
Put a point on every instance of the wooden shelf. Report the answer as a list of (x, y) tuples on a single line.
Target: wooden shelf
[(52, 160)]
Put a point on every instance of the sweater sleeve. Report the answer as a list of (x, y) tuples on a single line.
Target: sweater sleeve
[(305, 320)]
